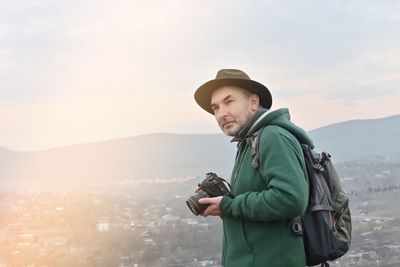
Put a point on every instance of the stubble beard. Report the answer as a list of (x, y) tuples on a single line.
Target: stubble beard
[(233, 130), (236, 127)]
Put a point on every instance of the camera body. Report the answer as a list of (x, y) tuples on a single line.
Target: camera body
[(211, 186)]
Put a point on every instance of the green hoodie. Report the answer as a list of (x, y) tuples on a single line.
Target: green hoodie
[(258, 220)]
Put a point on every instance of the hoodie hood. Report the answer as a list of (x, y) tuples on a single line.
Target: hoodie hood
[(243, 133), (281, 118)]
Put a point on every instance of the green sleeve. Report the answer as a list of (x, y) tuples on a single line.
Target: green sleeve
[(282, 167)]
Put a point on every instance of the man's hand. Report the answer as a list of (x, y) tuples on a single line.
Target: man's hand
[(213, 206)]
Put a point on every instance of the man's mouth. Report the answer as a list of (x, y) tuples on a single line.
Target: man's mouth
[(227, 124)]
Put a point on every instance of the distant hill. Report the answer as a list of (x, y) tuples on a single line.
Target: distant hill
[(139, 157), (170, 155), (358, 138)]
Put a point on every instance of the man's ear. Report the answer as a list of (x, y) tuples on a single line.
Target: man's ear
[(255, 102)]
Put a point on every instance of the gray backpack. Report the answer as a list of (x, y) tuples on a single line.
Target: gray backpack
[(326, 224)]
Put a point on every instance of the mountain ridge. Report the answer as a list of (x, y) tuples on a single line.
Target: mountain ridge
[(351, 139), (396, 116), (165, 155), (337, 124)]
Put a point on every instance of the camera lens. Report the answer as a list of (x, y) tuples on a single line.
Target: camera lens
[(193, 202)]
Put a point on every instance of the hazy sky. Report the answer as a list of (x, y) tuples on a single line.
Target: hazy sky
[(84, 71)]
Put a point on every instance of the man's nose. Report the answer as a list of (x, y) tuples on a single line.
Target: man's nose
[(222, 112)]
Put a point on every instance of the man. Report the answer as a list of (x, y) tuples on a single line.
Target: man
[(259, 221)]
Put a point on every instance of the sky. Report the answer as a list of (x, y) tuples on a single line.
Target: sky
[(78, 71)]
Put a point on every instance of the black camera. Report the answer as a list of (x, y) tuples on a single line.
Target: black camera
[(212, 186)]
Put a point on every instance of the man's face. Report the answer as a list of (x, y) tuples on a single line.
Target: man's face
[(233, 108)]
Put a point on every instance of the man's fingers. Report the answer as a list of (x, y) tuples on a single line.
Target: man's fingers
[(206, 200), (207, 212), (213, 208), (210, 200)]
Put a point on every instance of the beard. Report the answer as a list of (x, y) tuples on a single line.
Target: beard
[(232, 126), (233, 130)]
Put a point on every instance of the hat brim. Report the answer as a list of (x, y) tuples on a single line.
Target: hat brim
[(203, 93)]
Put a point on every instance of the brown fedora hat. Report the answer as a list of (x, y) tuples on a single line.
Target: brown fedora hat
[(231, 77)]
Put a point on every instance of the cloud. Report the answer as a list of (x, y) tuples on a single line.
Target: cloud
[(374, 74), (73, 71)]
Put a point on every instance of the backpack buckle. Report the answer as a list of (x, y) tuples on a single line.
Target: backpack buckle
[(297, 229)]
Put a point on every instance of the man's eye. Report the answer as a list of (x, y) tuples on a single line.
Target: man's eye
[(229, 101)]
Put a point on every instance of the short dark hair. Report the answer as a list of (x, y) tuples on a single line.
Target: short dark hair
[(247, 92)]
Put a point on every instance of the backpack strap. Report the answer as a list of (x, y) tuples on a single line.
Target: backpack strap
[(254, 142)]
